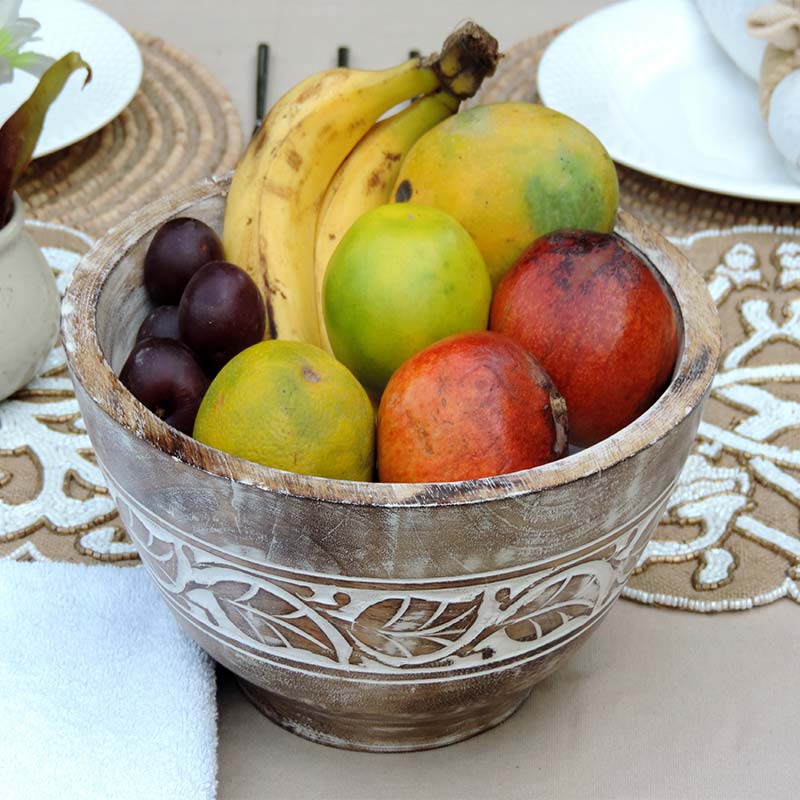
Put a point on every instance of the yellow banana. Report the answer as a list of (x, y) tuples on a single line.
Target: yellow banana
[(239, 226), (278, 188), (366, 177), (297, 175)]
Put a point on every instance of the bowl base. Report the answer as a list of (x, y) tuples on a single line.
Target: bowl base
[(422, 731)]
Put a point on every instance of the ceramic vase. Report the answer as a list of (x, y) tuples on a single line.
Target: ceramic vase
[(29, 305)]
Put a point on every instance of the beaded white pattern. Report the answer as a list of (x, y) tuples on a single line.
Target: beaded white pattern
[(43, 422), (426, 629), (714, 502)]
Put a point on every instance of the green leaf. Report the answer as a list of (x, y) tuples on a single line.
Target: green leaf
[(20, 133)]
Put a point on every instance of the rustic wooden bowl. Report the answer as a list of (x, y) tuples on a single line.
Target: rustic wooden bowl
[(377, 616)]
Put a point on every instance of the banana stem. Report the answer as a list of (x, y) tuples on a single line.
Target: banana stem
[(468, 55)]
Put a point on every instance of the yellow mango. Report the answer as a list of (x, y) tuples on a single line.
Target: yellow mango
[(509, 173)]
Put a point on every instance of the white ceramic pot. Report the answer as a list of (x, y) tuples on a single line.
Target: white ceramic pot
[(29, 305)]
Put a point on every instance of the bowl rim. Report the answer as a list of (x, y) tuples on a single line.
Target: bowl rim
[(90, 369)]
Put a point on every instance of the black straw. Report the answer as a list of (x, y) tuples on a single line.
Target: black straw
[(262, 75)]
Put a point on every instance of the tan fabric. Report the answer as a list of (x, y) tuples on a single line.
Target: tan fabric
[(778, 24), (657, 706)]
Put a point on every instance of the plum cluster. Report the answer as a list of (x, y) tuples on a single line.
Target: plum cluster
[(206, 311)]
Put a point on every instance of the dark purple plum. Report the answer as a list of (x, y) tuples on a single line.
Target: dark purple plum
[(180, 247), (164, 375), (220, 314), (161, 323)]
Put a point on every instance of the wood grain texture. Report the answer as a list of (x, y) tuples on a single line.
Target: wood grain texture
[(377, 616)]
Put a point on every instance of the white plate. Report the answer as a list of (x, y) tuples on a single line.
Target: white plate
[(651, 82), (109, 49)]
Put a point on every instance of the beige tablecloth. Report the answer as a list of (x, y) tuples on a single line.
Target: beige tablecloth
[(659, 704)]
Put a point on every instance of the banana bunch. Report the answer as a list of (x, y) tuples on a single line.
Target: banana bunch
[(321, 159)]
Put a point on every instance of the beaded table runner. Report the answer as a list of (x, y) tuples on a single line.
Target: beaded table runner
[(730, 537), (53, 500)]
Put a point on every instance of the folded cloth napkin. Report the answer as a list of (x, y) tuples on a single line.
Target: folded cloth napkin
[(102, 696), (763, 39), (779, 25), (727, 22)]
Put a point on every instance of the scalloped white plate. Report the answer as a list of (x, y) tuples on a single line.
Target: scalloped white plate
[(109, 49), (650, 81)]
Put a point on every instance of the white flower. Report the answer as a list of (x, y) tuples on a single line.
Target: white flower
[(15, 32)]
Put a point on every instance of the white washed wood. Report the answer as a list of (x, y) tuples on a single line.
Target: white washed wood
[(319, 593)]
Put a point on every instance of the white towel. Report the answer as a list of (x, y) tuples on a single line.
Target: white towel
[(102, 696)]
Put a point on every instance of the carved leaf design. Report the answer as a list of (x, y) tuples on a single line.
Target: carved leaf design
[(157, 553), (574, 596), (265, 617), (410, 627)]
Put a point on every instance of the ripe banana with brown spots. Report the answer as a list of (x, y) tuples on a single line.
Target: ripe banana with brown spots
[(271, 218), (244, 196), (365, 178)]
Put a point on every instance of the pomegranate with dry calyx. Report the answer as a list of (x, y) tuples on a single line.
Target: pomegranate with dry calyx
[(469, 406)]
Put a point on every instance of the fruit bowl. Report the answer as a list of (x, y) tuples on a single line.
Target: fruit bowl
[(377, 616)]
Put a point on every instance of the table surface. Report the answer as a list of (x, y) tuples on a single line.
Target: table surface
[(659, 704)]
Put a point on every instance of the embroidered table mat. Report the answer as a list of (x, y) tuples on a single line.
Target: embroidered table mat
[(729, 539)]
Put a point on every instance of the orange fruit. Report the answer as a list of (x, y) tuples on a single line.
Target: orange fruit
[(291, 406), (403, 277)]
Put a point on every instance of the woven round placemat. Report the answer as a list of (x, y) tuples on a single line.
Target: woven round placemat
[(675, 210), (180, 127)]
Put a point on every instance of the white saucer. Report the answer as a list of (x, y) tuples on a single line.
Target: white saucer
[(650, 81), (109, 49)]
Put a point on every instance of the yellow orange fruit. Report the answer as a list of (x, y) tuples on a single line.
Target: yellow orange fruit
[(403, 277), (291, 406)]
